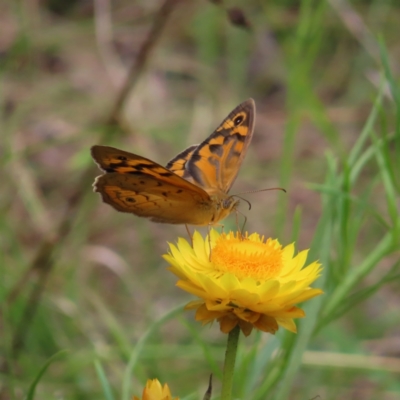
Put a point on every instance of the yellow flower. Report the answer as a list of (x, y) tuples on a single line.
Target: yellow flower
[(154, 391), (246, 281)]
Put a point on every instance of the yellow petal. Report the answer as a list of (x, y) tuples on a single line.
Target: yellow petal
[(309, 294), (203, 314), (199, 247), (191, 288), (212, 305), (229, 282), (268, 290), (291, 312), (244, 298), (193, 304), (287, 323), (212, 286), (244, 279)]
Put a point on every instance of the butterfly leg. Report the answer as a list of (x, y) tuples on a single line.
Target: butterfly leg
[(209, 240), (209, 227), (216, 226), (241, 230), (190, 235)]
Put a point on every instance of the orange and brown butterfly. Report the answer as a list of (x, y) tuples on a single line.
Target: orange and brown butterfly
[(192, 189)]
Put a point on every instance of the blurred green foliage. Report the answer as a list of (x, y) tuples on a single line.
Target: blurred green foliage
[(77, 275)]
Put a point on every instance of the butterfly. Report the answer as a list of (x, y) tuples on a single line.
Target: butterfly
[(193, 187)]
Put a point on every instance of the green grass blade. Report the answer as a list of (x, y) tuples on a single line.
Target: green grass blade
[(105, 384), (134, 357), (31, 392)]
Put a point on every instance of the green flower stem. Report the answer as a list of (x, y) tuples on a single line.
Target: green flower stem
[(229, 366)]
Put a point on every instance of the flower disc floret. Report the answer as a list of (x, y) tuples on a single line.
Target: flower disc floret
[(248, 281)]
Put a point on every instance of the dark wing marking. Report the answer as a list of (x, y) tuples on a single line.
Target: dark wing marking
[(111, 160), (178, 163), (215, 163)]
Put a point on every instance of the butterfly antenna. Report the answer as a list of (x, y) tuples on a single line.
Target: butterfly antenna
[(264, 190), (244, 223), (241, 198), (190, 235), (241, 230), (256, 191), (209, 240)]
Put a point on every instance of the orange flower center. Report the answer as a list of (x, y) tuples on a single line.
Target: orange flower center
[(246, 258)]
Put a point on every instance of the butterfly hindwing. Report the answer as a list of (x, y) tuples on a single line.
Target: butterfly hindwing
[(145, 196), (140, 186)]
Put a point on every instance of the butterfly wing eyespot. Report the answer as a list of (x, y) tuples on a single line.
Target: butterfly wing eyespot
[(193, 187), (238, 120)]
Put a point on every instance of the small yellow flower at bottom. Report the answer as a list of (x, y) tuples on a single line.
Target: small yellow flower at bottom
[(243, 280), (154, 391)]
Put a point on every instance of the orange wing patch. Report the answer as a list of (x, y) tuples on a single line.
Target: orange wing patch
[(216, 162), (178, 163)]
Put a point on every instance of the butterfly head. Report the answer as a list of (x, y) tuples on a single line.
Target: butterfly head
[(224, 207), (229, 203)]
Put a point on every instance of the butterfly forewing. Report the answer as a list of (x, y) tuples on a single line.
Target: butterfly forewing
[(178, 163), (215, 162)]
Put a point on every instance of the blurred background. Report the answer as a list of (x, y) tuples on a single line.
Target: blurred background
[(153, 77)]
